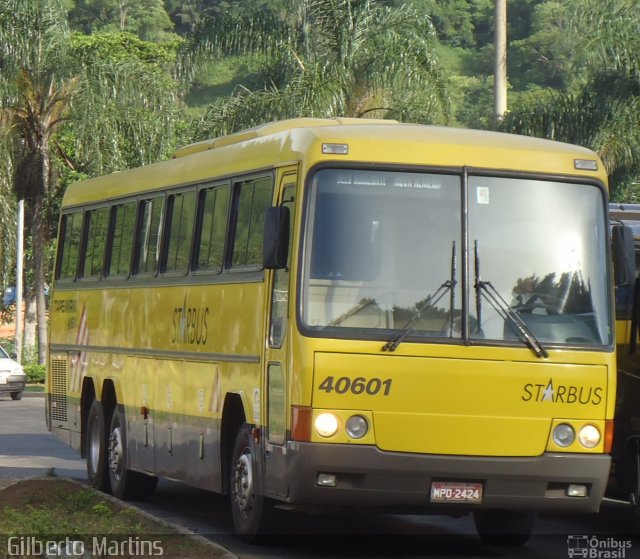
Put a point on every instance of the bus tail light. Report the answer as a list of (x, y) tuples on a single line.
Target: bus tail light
[(301, 423)]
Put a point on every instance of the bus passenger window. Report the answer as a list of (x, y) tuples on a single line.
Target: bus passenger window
[(253, 199), (71, 234), (96, 236), (214, 206), (180, 217), (123, 218), (148, 236)]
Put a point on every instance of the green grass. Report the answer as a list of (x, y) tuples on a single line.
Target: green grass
[(39, 511)]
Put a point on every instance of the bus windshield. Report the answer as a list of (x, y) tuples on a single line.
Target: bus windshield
[(385, 253)]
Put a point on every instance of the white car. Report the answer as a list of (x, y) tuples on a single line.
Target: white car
[(12, 377)]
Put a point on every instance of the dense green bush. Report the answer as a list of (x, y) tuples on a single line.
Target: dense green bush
[(34, 372)]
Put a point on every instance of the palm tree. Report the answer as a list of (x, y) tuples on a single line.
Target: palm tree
[(7, 207), (127, 87), (500, 46), (115, 113), (328, 58), (603, 109), (35, 91)]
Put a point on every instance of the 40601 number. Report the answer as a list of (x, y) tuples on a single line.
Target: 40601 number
[(358, 385)]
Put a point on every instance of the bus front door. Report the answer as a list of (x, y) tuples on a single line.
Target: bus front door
[(275, 385)]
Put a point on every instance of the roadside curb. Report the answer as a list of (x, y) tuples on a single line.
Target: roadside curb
[(224, 553)]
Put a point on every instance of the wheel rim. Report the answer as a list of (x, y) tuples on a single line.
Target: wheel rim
[(243, 483), (115, 452), (94, 447)]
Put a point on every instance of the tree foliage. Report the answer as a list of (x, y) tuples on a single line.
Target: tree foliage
[(601, 110), (326, 58), (129, 90), (114, 110), (147, 19), (36, 86)]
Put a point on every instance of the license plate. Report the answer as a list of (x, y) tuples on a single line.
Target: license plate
[(3, 380), (456, 492)]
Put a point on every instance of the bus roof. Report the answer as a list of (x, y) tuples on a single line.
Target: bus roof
[(368, 141)]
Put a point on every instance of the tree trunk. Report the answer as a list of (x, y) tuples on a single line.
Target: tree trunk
[(29, 334), (500, 40), (37, 233)]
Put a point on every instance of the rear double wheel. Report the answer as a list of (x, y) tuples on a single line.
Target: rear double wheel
[(96, 448), (125, 484)]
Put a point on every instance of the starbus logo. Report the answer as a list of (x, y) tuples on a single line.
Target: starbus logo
[(594, 547), (562, 393), (190, 324)]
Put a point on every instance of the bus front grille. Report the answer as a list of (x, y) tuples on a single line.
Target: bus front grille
[(58, 387)]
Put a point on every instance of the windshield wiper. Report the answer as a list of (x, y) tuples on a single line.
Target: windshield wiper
[(507, 313), (491, 294), (429, 304)]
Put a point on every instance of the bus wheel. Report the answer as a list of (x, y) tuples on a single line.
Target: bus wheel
[(125, 483), (96, 448), (16, 395), (503, 527), (249, 508)]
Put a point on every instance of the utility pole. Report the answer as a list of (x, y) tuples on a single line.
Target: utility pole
[(19, 274), (500, 78)]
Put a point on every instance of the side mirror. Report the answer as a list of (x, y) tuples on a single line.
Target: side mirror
[(624, 255), (275, 250)]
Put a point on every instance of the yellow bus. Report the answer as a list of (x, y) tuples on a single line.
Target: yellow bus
[(624, 483), (343, 313)]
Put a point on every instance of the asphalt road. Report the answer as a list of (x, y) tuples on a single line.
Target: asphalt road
[(27, 449)]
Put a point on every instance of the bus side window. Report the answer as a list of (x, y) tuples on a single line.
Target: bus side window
[(179, 231), (71, 235), (95, 236), (120, 246), (214, 210), (147, 248), (253, 197)]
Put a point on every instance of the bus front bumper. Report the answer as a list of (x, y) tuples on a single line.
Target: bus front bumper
[(367, 476)]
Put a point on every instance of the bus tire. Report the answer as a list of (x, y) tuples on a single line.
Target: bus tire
[(16, 395), (125, 484), (250, 510), (96, 448), (503, 527)]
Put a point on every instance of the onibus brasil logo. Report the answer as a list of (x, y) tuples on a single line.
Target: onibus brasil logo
[(596, 547)]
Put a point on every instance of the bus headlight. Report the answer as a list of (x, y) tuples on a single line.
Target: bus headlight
[(326, 424), (589, 436), (564, 435), (356, 427)]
